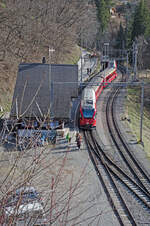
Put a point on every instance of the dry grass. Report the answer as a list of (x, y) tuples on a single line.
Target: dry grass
[(133, 106), (72, 56)]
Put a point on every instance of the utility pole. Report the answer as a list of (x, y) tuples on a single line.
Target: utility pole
[(133, 47), (81, 59), (142, 105), (81, 65), (127, 63), (51, 50), (135, 52), (106, 50)]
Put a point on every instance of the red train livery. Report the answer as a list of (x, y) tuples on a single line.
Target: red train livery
[(91, 93)]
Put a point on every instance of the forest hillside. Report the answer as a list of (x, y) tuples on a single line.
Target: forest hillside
[(30, 28)]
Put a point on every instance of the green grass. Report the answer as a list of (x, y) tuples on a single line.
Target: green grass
[(133, 107)]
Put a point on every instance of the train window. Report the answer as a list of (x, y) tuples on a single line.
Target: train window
[(89, 101), (88, 112)]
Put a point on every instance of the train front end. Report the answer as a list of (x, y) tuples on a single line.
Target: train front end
[(87, 118)]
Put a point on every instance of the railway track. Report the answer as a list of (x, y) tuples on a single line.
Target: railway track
[(108, 173), (136, 171), (122, 176), (136, 180), (113, 194)]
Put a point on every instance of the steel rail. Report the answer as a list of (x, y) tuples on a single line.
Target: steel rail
[(110, 108), (132, 157), (126, 216), (144, 197)]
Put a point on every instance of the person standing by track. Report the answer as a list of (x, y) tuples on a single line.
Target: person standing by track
[(78, 140), (68, 138)]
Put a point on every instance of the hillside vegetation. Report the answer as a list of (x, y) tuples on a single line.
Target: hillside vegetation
[(29, 28)]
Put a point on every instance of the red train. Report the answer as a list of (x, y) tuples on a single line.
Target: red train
[(91, 93)]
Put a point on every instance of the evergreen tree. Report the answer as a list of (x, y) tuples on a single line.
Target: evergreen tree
[(141, 20), (97, 3), (128, 36), (120, 38), (108, 3), (103, 13), (147, 21)]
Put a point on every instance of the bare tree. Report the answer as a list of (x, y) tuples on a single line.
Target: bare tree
[(30, 25), (59, 187)]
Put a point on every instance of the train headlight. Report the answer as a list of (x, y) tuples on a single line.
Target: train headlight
[(94, 116)]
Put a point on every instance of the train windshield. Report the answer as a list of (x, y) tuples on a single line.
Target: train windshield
[(88, 112), (89, 101), (111, 64)]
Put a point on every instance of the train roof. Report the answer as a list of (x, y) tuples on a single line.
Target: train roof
[(88, 98), (44, 90), (88, 93)]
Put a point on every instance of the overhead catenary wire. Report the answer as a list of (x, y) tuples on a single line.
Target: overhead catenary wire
[(122, 84)]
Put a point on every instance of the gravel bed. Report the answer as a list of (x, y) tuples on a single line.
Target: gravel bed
[(141, 214)]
